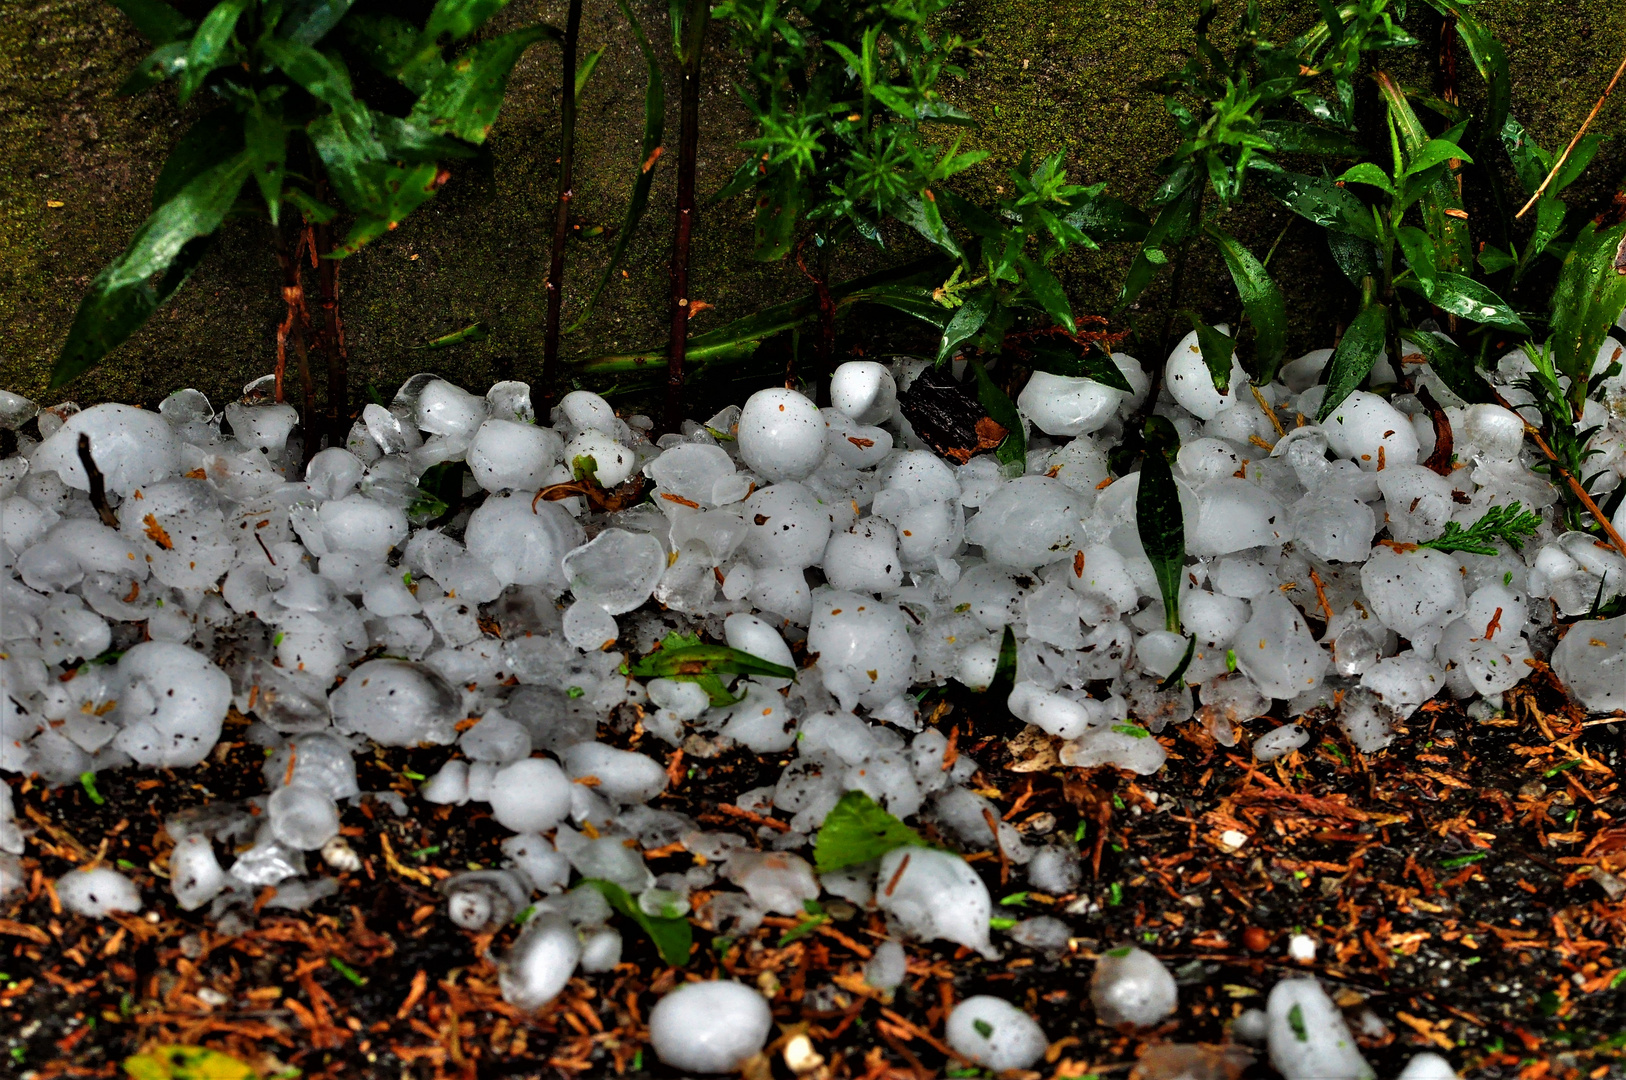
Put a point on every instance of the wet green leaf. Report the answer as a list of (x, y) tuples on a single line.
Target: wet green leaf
[(1319, 200), (1453, 367), (913, 300), (779, 207), (1355, 257), (1367, 173), (968, 318), (1418, 248), (1352, 360), (460, 18), (584, 70), (1177, 676), (309, 21), (215, 137), (1218, 349), (1262, 301), (463, 99), (858, 830), (1047, 290), (673, 938), (155, 20), (164, 62), (1462, 295), (1289, 137), (266, 139), (1063, 356), (1004, 679), (1161, 525), (1590, 295), (683, 655), (211, 45), (477, 331)]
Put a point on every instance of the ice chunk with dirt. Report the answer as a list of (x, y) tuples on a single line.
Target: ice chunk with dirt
[(1280, 742), (1131, 986), (1427, 1066), (1307, 1036), (195, 876), (172, 701), (935, 895), (397, 703), (1591, 663), (623, 776), (709, 1027), (776, 881), (302, 816), (1067, 405), (1277, 651), (617, 570), (788, 527), (97, 892), (521, 543), (1412, 590), (1191, 384), (1027, 522), (781, 435), (1366, 429), (540, 962), (131, 448), (994, 1033), (505, 454), (865, 653), (864, 391)]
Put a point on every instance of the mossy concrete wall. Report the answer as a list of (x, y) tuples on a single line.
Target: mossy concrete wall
[(78, 164)]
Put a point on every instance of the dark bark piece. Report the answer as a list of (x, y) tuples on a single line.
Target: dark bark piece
[(1440, 459), (98, 486), (948, 417)]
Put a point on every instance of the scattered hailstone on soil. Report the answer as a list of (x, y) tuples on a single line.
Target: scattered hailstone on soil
[(1131, 986), (994, 1033), (709, 1027), (1307, 1035), (97, 893)]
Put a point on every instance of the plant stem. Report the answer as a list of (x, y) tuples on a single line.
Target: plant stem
[(561, 210), (293, 328), (331, 333), (1571, 481), (694, 38), (1559, 164)]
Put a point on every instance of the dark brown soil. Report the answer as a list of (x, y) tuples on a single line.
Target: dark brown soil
[(1448, 880)]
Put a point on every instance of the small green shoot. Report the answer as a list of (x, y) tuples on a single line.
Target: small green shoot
[(87, 780), (1463, 860), (347, 971), (1510, 523)]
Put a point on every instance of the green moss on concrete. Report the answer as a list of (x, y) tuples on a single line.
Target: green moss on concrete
[(1049, 77)]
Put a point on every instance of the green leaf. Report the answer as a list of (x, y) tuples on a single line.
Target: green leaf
[(1318, 200), (1357, 258), (922, 215), (1161, 526), (155, 20), (308, 21), (1550, 214), (999, 687), (1576, 163), (460, 18), (1493, 259), (1059, 355), (473, 332), (1462, 295), (1105, 220), (1352, 360), (1174, 681), (1047, 290), (1289, 137), (779, 206), (1418, 248), (266, 140), (216, 137), (1588, 299), (673, 938), (681, 655), (164, 62), (1433, 153), (1262, 301), (1218, 349), (1174, 224), (915, 300), (1012, 452), (403, 140), (1453, 367), (584, 70), (463, 99), (856, 831), (392, 46), (968, 319), (210, 46), (1368, 173), (322, 75), (1490, 58), (186, 1063)]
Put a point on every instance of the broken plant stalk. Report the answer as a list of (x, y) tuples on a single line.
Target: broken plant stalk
[(293, 327), (694, 37), (98, 484), (1571, 481), (561, 210), (1559, 164)]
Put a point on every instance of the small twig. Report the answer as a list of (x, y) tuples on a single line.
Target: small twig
[(98, 486), (1559, 164), (1444, 443), (1569, 478)]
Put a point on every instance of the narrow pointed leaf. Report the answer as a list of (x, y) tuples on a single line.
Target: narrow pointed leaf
[(673, 937), (1162, 529), (1418, 248), (164, 62), (211, 45), (1047, 290), (1262, 301), (1352, 361), (309, 21), (1462, 295), (1064, 356), (214, 138), (968, 319), (266, 139), (1289, 137), (1319, 200), (155, 20), (584, 70), (1218, 349), (1012, 452), (464, 98), (1453, 367), (1590, 296), (460, 18)]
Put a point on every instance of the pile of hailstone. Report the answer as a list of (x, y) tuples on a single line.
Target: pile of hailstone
[(322, 605)]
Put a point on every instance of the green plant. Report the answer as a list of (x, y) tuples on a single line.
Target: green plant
[(281, 111)]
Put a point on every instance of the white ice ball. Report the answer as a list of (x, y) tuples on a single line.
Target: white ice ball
[(131, 447), (172, 701), (865, 391), (864, 649), (1065, 405), (97, 893), (781, 435), (1191, 384), (709, 1027), (532, 795), (994, 1033), (508, 454)]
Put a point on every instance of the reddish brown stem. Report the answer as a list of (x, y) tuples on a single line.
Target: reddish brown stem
[(688, 152), (293, 328), (561, 210)]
